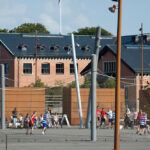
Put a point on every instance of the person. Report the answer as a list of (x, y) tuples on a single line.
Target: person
[(110, 115), (103, 117), (127, 118), (143, 120), (21, 120), (14, 115), (45, 121), (26, 123), (31, 122), (56, 120), (50, 125), (41, 120), (135, 115), (98, 112), (138, 120)]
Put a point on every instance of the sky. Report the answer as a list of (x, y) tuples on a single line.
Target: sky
[(76, 14)]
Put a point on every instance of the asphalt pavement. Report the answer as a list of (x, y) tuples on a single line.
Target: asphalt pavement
[(73, 138)]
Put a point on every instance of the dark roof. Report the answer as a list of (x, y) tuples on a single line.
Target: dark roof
[(13, 43), (54, 46), (130, 53)]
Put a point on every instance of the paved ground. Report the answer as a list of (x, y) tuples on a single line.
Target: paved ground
[(72, 138)]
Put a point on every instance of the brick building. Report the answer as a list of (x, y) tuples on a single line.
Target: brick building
[(130, 65), (28, 57)]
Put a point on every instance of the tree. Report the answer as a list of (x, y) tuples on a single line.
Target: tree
[(30, 28), (91, 31), (38, 83), (87, 82), (72, 84), (4, 30), (110, 83)]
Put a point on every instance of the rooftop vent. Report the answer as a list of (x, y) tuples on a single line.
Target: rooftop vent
[(54, 47), (23, 47), (68, 49), (86, 48), (136, 39)]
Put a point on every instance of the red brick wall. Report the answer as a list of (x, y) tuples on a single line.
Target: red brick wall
[(109, 56), (51, 79), (6, 57)]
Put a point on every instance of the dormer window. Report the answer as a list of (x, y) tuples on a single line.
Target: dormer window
[(41, 47), (68, 49), (146, 39), (86, 48), (23, 47), (54, 47), (136, 39)]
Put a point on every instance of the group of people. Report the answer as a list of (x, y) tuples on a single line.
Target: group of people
[(141, 120), (103, 117), (131, 119), (32, 121)]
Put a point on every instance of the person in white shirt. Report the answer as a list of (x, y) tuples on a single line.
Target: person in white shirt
[(110, 115)]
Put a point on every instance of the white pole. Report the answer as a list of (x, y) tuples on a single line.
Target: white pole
[(93, 100), (77, 81), (2, 97), (60, 16)]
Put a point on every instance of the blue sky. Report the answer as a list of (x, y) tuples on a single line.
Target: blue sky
[(75, 14)]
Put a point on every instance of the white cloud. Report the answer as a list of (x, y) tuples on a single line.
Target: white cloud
[(81, 21), (50, 23)]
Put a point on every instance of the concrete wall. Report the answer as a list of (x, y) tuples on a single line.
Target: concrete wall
[(105, 99)]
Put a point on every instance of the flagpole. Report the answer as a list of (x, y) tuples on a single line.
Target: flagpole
[(59, 16)]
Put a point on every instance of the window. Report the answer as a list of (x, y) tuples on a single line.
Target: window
[(45, 69), (27, 68), (109, 67), (59, 68), (72, 68), (6, 67)]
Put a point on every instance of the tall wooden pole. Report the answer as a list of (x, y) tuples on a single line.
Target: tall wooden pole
[(117, 91)]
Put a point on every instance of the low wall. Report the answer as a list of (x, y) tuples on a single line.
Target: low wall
[(105, 99), (26, 100)]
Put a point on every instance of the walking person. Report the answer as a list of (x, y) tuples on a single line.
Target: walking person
[(14, 117), (31, 122), (45, 122), (26, 123), (135, 115), (103, 116), (110, 115), (98, 112)]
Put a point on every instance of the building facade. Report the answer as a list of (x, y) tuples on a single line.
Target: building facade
[(28, 57), (130, 66)]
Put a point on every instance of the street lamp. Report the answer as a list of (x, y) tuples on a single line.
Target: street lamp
[(117, 90)]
